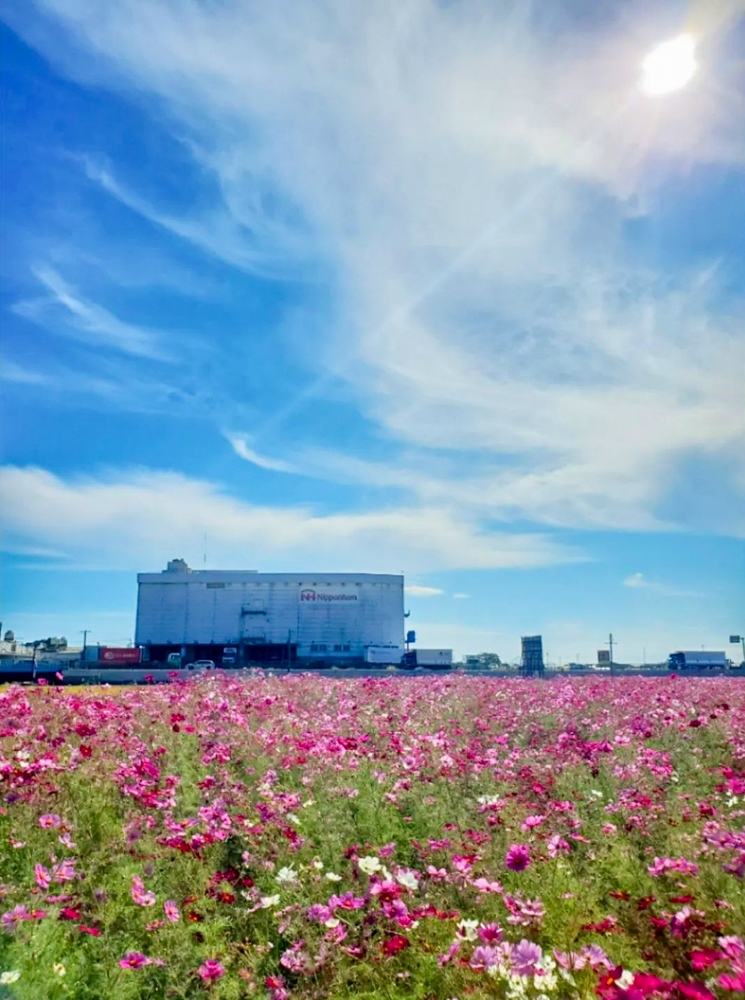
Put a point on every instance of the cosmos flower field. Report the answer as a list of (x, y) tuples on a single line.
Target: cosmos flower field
[(434, 837)]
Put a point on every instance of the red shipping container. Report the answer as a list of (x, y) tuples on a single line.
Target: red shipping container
[(112, 654)]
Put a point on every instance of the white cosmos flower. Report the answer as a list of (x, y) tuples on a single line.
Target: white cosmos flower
[(466, 929), (407, 879), (369, 865), (333, 877), (6, 978), (59, 968), (286, 875), (267, 902)]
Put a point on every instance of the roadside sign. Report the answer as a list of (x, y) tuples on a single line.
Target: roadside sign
[(734, 639)]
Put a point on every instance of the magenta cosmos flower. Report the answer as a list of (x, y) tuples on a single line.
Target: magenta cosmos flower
[(518, 858), (134, 960), (211, 970), (49, 821), (171, 911)]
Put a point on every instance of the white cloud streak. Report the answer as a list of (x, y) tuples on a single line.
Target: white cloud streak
[(637, 581), (86, 321), (141, 518), (415, 590)]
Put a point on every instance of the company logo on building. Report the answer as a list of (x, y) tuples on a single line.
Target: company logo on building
[(328, 597)]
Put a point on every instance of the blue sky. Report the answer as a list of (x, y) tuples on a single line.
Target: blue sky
[(420, 287)]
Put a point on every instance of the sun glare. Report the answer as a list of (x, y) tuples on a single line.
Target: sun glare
[(669, 66)]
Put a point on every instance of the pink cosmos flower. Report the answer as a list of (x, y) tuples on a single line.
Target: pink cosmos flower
[(211, 970), (525, 957), (518, 857), (171, 911), (139, 894), (449, 954), (42, 876), (490, 933), (705, 957), (530, 822), (319, 912), (134, 960), (295, 959), (65, 870), (15, 916), (49, 820), (555, 845), (570, 959), (484, 957), (732, 946), (734, 982)]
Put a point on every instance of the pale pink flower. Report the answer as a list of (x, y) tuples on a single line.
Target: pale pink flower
[(525, 957), (484, 957), (171, 911), (43, 877), (530, 822)]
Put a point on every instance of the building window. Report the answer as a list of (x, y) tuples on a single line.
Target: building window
[(337, 649), (346, 648), (215, 586)]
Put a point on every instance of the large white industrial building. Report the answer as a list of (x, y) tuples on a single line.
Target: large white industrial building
[(267, 617)]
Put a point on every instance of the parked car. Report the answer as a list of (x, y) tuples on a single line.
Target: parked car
[(204, 664)]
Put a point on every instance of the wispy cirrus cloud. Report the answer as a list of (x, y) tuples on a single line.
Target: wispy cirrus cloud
[(466, 172), (65, 310)]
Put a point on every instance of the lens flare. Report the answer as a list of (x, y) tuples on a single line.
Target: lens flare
[(669, 66)]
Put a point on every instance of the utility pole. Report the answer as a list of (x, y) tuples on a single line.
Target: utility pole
[(611, 642), (84, 633)]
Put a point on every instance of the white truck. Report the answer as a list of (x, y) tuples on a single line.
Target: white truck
[(435, 659), (384, 656), (697, 660)]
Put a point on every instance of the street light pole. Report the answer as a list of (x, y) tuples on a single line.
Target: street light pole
[(611, 643)]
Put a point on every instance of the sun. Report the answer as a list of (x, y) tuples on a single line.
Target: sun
[(669, 66)]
